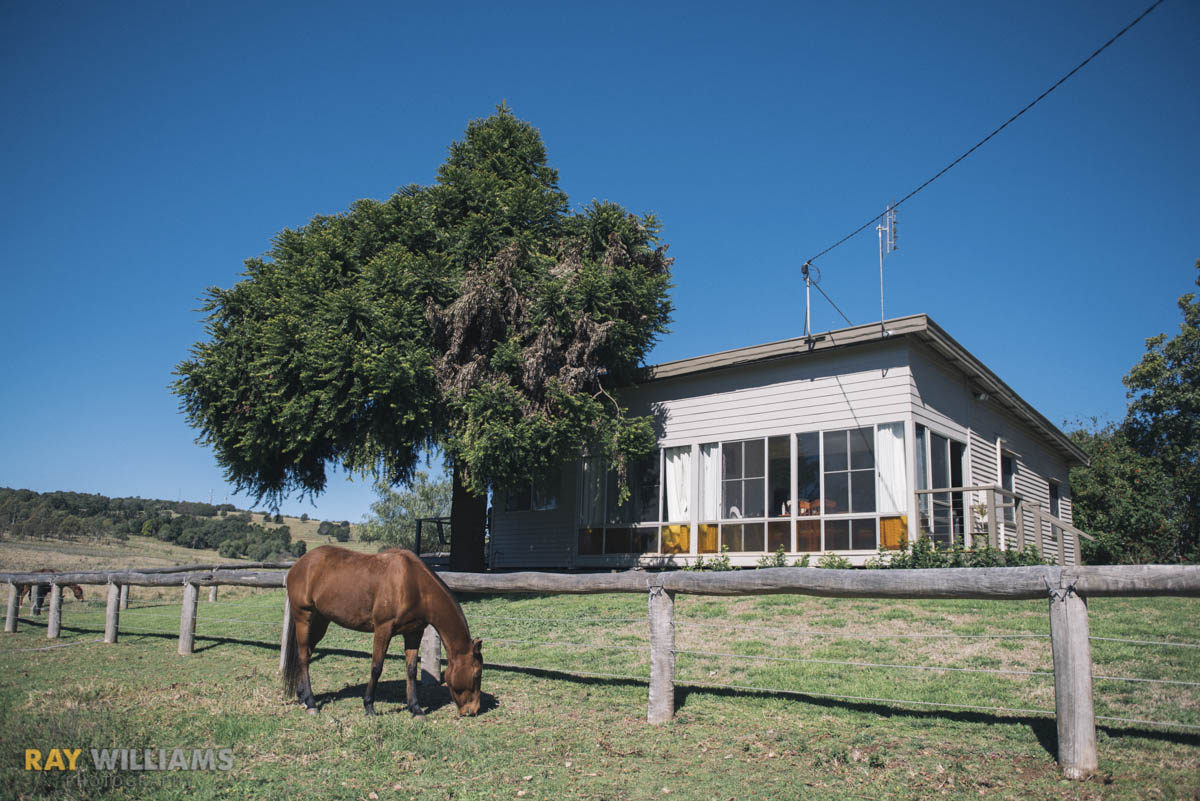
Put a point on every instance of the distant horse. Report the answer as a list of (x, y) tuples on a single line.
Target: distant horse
[(43, 591), (386, 593)]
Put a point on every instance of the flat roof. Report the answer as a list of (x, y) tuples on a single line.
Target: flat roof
[(917, 326)]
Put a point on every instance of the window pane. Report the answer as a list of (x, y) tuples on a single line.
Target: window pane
[(940, 461), (837, 493), (706, 539), (779, 476), (808, 467), (753, 537), (518, 500), (862, 535), (1054, 503), (617, 540), (675, 539), (835, 450), (616, 514), (779, 536), (862, 485), (732, 505), (591, 493), (642, 540), (752, 497), (731, 459), (837, 535), (710, 483), (731, 537), (677, 484), (645, 480), (808, 535), (862, 448), (893, 531), (752, 455), (590, 540)]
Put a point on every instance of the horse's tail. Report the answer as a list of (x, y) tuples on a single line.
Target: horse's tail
[(291, 665)]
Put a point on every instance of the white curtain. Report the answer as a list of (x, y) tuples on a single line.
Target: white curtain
[(889, 461), (710, 482), (591, 492), (678, 483)]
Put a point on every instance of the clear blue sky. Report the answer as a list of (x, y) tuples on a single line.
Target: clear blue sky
[(149, 148)]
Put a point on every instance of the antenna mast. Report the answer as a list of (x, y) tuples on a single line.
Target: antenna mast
[(886, 229)]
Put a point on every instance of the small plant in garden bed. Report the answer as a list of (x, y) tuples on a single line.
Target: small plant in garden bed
[(925, 553)]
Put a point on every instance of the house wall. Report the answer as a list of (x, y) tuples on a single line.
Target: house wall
[(859, 386), (944, 399), (838, 389)]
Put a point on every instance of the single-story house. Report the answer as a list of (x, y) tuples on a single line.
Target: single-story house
[(844, 442)]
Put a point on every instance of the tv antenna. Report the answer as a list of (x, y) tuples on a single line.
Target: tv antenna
[(806, 269), (887, 229)]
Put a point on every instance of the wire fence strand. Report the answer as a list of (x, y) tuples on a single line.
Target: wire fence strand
[(866, 664)]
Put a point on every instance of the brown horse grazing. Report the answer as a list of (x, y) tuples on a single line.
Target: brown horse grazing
[(387, 593), (44, 591)]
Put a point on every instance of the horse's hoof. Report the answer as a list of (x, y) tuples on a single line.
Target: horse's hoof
[(312, 710)]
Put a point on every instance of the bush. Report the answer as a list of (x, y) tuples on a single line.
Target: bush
[(833, 561), (777, 559), (924, 553)]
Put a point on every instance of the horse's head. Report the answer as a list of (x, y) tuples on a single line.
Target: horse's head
[(461, 677)]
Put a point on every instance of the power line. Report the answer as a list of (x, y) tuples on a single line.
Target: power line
[(984, 140)]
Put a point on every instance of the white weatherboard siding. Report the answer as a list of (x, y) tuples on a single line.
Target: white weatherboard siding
[(735, 396), (946, 400)]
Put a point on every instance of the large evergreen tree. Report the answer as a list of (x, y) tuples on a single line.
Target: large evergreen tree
[(479, 316)]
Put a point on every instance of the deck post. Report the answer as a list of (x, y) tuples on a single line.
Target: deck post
[(54, 624), (431, 656), (10, 614), (662, 656), (993, 523), (287, 640), (112, 615), (1019, 514), (1062, 553), (187, 618), (124, 603), (212, 594), (1072, 682)]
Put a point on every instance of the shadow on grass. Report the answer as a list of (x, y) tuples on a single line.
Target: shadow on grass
[(434, 696)]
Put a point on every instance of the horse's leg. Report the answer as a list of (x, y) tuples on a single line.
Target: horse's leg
[(412, 661), (310, 628), (383, 636)]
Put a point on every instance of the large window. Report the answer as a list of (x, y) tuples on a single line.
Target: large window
[(940, 463), (606, 524)]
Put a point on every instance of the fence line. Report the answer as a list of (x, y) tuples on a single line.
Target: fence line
[(854, 635), (1149, 642), (1064, 587)]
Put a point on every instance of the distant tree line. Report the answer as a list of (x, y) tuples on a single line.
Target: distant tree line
[(77, 516)]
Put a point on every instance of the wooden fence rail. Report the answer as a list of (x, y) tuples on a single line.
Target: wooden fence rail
[(1066, 588)]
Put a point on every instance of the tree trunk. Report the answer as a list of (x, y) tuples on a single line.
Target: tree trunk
[(468, 522)]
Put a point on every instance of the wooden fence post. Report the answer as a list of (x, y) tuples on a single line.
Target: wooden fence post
[(1072, 682), (124, 603), (54, 625), (10, 614), (212, 594), (287, 640), (662, 656), (431, 655), (111, 615), (187, 618), (35, 599)]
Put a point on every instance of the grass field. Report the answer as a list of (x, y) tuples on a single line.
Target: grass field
[(551, 733)]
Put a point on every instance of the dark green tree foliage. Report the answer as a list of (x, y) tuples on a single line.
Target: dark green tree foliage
[(1124, 499), (1163, 421), (478, 316)]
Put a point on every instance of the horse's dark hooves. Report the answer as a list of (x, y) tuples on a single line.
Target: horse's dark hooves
[(370, 710)]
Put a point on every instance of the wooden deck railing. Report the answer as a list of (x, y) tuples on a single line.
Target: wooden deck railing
[(1066, 588)]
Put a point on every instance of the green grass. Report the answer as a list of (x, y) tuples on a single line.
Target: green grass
[(552, 734)]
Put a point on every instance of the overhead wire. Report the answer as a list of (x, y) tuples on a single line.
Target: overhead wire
[(984, 140)]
